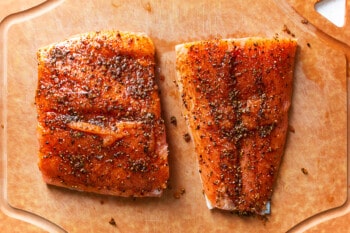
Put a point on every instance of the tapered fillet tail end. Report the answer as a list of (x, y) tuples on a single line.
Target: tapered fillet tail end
[(266, 211), (236, 95)]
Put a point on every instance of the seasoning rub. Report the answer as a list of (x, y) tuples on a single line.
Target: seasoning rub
[(99, 119), (236, 95)]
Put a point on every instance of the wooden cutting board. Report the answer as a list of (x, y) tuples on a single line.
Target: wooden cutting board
[(318, 116)]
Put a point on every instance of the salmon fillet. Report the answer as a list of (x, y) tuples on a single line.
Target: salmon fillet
[(99, 117), (236, 95)]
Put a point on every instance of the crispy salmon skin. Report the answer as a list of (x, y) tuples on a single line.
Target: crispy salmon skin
[(236, 95), (99, 118)]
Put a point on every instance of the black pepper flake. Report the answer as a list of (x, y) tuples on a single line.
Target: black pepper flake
[(308, 45), (304, 171), (118, 154), (173, 121), (187, 137), (304, 21), (178, 193), (266, 130), (112, 222), (139, 166), (286, 30), (183, 191)]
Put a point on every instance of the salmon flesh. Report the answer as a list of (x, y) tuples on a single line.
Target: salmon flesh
[(236, 95), (99, 117)]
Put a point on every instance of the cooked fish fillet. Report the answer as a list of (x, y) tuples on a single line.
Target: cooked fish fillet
[(236, 95), (99, 118)]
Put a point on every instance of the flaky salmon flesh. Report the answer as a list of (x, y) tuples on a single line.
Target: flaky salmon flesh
[(236, 95), (99, 118)]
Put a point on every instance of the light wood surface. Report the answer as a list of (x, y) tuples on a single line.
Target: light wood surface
[(318, 116)]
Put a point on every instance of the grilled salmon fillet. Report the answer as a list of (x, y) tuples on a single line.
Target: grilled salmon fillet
[(236, 95), (99, 118)]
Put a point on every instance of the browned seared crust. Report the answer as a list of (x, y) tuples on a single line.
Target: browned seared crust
[(236, 96), (100, 127)]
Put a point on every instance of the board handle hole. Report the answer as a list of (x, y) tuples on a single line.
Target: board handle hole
[(333, 10)]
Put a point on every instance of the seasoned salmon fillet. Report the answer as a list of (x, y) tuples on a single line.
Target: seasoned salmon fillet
[(99, 117), (236, 95)]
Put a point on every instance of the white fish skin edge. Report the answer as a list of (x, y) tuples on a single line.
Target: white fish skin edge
[(264, 212)]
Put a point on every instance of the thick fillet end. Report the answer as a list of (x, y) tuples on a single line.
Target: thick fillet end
[(99, 119)]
